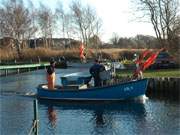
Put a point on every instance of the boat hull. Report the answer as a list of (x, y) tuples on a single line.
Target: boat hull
[(123, 91)]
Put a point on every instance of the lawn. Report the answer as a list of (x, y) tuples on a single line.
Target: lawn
[(153, 73)]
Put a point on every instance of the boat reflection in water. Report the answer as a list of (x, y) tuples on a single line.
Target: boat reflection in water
[(100, 115), (114, 106)]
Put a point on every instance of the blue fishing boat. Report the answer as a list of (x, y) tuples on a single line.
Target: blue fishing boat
[(122, 91)]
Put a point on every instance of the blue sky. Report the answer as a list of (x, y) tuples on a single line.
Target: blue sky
[(116, 15)]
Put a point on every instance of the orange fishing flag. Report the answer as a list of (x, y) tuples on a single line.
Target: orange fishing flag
[(81, 50), (151, 59), (142, 56), (145, 53)]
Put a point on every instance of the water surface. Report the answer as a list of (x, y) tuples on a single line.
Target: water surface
[(155, 116)]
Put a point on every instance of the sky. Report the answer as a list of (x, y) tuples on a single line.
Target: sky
[(116, 15)]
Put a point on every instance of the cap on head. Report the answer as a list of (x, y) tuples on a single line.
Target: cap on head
[(96, 60)]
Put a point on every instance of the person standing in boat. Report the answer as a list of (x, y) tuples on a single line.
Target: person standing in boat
[(51, 75), (95, 70)]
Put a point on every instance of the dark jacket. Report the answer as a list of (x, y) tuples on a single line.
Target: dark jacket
[(95, 70)]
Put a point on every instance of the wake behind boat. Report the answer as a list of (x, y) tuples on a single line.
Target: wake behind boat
[(121, 91)]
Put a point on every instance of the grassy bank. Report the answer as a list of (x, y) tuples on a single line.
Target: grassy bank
[(153, 73)]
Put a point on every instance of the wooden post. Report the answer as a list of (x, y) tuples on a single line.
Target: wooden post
[(36, 117), (152, 85), (178, 87), (177, 84), (18, 70), (167, 85), (174, 84), (6, 72), (171, 83), (163, 85), (157, 84), (39, 60)]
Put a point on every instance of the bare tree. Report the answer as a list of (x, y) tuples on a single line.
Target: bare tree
[(96, 31), (15, 22), (65, 20), (85, 21), (165, 18), (115, 38), (62, 17), (32, 33), (46, 20)]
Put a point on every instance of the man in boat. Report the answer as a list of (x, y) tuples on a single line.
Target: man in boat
[(95, 70), (51, 75)]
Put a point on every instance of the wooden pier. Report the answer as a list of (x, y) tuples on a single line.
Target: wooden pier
[(11, 69), (166, 86)]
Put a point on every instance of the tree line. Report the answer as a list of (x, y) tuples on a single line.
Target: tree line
[(22, 22), (137, 42)]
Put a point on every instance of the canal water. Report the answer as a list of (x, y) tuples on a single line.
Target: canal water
[(155, 116)]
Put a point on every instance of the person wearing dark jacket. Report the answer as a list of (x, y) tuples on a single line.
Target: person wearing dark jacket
[(94, 71)]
